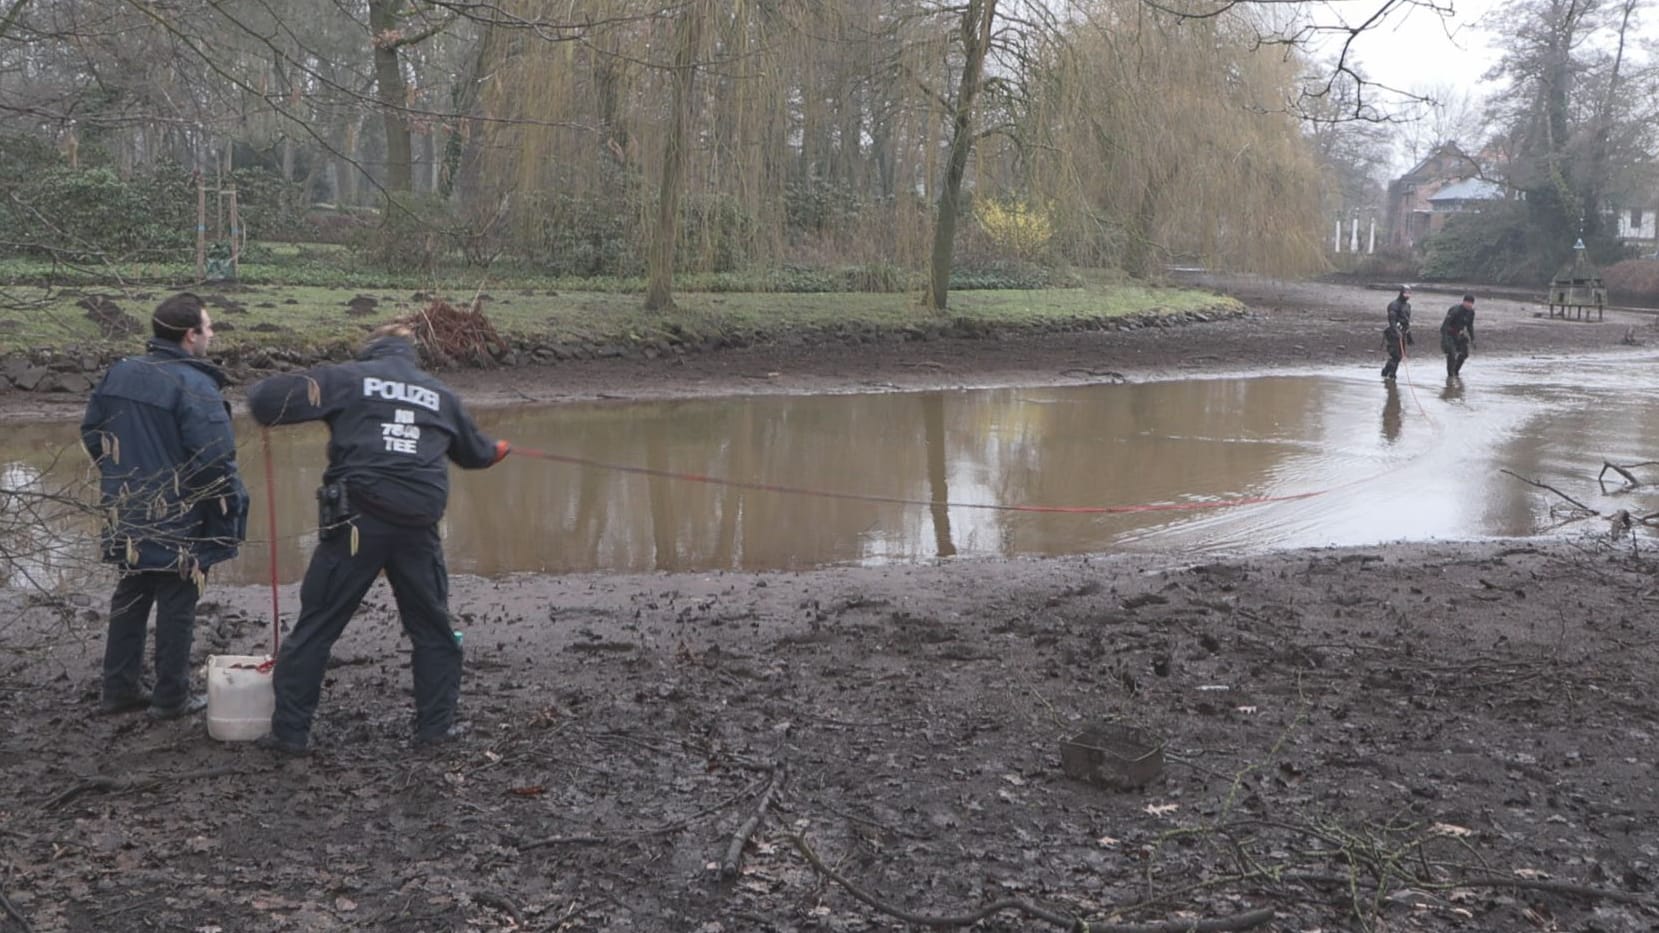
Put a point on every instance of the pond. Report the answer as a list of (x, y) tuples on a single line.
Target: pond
[(1226, 464)]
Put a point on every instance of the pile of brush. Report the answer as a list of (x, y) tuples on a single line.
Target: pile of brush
[(449, 334)]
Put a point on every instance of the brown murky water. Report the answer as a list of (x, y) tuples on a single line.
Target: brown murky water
[(1206, 466)]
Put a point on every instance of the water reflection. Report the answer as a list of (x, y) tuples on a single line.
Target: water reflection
[(1391, 414), (909, 472)]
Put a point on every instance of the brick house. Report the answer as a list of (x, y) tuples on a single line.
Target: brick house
[(1412, 211)]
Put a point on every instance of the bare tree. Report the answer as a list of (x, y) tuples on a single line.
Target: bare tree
[(976, 26), (389, 34), (688, 51)]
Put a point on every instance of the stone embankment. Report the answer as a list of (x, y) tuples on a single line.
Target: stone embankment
[(75, 369)]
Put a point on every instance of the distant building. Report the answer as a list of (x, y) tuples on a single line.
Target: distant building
[(1412, 211), (1639, 227)]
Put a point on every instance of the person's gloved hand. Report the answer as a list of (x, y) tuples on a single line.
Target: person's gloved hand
[(501, 450), (1409, 338), (1471, 346)]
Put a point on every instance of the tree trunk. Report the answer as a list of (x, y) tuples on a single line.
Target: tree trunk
[(659, 291), (391, 93), (976, 40), (938, 473), (1597, 172), (350, 171)]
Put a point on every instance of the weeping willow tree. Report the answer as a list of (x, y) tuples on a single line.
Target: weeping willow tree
[(1171, 139), (639, 138), (663, 131)]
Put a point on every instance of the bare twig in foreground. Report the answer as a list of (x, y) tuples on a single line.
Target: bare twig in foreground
[(734, 853), (1244, 921), (1532, 482), (14, 913), (136, 783), (1629, 478)]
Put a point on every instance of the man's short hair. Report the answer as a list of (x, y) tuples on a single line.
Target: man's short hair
[(177, 316), (1469, 298)]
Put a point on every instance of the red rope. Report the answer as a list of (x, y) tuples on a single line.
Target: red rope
[(270, 501), (1410, 383), (898, 500)]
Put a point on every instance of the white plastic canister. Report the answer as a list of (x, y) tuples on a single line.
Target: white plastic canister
[(239, 697)]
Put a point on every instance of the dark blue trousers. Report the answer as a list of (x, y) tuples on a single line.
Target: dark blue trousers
[(174, 598), (335, 582)]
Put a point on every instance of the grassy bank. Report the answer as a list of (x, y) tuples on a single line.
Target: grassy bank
[(311, 317)]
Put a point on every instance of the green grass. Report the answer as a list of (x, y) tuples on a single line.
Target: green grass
[(303, 290)]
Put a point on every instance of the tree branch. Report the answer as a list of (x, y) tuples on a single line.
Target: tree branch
[(1244, 921), (1532, 482)]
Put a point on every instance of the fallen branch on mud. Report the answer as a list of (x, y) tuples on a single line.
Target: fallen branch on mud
[(734, 852), (663, 830), (1111, 374), (1245, 921), (1623, 470), (121, 785), (14, 913), (1379, 867), (502, 903), (1532, 482), (1589, 892)]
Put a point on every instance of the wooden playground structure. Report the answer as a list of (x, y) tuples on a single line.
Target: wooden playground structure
[(1577, 288), (224, 266)]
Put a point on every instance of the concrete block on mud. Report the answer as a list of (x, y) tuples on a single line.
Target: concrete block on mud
[(1114, 756)]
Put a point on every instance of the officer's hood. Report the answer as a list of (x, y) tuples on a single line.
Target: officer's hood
[(389, 345)]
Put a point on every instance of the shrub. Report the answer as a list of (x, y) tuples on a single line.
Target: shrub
[(270, 206), (714, 234), (880, 277), (325, 224), (1016, 228), (576, 235), (22, 155), (1491, 246), (817, 205), (1008, 274), (414, 234), (93, 213), (1633, 281)]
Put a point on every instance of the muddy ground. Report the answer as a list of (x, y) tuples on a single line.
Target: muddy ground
[(1413, 737)]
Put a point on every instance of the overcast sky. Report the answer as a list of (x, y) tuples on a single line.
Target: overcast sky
[(1417, 51)]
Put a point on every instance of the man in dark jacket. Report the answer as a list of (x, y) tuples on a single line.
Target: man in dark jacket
[(1398, 331), (160, 432), (1457, 334), (392, 431)]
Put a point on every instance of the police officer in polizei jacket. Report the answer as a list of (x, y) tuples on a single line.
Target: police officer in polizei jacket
[(393, 430), (160, 432)]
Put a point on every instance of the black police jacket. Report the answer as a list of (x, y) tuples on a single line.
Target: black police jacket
[(393, 429)]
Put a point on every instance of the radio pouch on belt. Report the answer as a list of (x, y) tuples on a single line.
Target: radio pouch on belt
[(333, 509)]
